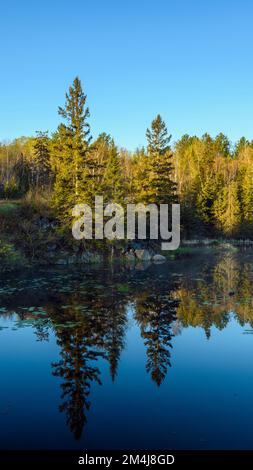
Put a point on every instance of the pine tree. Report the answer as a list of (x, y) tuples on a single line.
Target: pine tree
[(240, 146), (113, 184), (42, 159), (205, 201), (71, 148), (99, 152), (187, 156), (62, 159), (141, 177), (160, 188), (222, 145)]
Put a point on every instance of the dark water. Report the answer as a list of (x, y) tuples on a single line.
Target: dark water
[(151, 357)]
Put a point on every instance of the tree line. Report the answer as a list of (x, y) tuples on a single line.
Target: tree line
[(211, 178)]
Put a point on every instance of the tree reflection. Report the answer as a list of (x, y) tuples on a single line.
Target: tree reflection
[(77, 370), (115, 327), (219, 292), (98, 332), (89, 317), (155, 313)]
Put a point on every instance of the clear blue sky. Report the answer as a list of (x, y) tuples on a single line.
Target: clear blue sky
[(189, 60)]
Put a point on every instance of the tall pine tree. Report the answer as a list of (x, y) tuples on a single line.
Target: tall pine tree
[(42, 160), (160, 187), (71, 148), (113, 183)]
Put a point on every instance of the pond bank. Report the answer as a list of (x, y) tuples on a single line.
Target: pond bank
[(32, 236)]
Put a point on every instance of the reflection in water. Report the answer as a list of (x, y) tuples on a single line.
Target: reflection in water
[(223, 290), (155, 313), (78, 354), (88, 313)]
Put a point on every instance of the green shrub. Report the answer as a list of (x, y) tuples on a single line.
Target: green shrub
[(10, 258)]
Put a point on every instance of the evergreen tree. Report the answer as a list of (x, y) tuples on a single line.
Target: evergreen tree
[(227, 209), (247, 200), (141, 177), (205, 201), (42, 159), (113, 184), (160, 187), (62, 159), (71, 148), (240, 146), (222, 145)]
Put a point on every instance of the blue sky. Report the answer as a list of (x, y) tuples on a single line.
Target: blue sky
[(189, 60)]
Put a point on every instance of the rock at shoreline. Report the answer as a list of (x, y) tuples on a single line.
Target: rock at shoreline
[(159, 258), (130, 256), (89, 257), (143, 255), (61, 262)]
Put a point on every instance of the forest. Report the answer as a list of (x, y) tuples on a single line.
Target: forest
[(210, 177)]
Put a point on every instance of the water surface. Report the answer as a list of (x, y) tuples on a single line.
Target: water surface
[(123, 357)]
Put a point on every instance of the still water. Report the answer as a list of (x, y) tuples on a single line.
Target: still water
[(123, 357)]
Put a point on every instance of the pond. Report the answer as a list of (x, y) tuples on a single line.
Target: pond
[(129, 357)]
